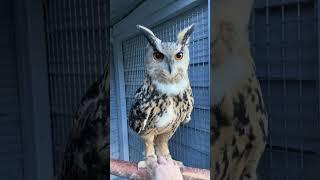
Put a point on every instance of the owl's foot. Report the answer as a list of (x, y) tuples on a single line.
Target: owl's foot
[(149, 160), (178, 163), (175, 162)]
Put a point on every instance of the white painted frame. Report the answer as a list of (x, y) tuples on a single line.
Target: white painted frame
[(146, 14)]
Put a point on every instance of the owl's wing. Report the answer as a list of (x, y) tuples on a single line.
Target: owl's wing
[(140, 109), (190, 102)]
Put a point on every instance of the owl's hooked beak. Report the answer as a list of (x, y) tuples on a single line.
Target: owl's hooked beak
[(169, 69), (169, 64)]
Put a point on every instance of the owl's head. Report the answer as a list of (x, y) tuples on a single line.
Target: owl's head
[(167, 62)]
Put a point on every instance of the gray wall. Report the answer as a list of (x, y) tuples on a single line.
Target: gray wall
[(76, 33), (11, 158), (25, 150), (284, 38)]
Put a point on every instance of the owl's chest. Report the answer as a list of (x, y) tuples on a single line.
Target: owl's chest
[(169, 111), (165, 117)]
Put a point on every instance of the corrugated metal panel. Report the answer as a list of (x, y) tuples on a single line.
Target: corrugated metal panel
[(11, 158), (284, 38), (191, 143)]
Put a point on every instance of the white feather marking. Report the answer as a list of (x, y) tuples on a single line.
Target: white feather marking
[(166, 118), (226, 77), (172, 89), (188, 118), (143, 125)]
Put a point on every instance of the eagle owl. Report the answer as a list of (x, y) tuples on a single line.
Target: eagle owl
[(239, 126), (86, 155), (164, 100)]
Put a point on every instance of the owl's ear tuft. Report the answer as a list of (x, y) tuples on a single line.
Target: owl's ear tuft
[(152, 39), (145, 30), (185, 35)]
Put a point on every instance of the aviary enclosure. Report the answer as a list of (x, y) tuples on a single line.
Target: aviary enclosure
[(191, 143), (284, 36)]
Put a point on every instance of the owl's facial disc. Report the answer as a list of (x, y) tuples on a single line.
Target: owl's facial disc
[(159, 57), (171, 62), (167, 62)]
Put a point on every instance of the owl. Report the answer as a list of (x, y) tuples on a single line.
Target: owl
[(164, 101), (239, 126), (86, 155)]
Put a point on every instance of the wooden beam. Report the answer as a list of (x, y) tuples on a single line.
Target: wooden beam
[(127, 169)]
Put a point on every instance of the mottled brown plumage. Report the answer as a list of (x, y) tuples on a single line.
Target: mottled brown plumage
[(239, 126), (164, 100), (86, 154), (150, 107)]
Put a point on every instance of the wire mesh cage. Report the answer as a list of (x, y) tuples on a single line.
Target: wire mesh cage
[(191, 143), (76, 37), (114, 122), (285, 44)]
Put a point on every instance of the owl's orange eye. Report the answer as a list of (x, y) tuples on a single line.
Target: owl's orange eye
[(158, 56), (179, 56)]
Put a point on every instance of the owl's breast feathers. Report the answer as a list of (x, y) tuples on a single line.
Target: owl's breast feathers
[(153, 111)]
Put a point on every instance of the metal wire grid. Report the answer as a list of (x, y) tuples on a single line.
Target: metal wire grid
[(76, 35), (114, 122), (191, 143), (284, 36)]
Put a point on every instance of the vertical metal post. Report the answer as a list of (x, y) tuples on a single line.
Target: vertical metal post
[(318, 31), (284, 86), (51, 68), (300, 79), (122, 113), (267, 59)]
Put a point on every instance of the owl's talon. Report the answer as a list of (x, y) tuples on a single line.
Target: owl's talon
[(142, 165), (167, 157), (178, 163), (175, 162), (149, 161)]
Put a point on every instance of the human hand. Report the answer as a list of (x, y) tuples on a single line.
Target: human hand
[(165, 168)]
